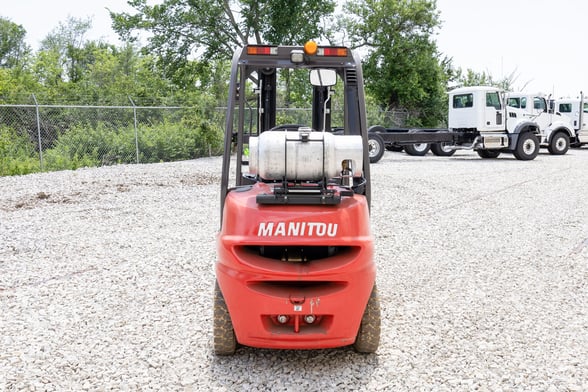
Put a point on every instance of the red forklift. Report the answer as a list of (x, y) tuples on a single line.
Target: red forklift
[(295, 265)]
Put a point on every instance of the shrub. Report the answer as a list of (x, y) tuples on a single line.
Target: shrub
[(173, 141), (17, 154), (83, 145), (106, 146)]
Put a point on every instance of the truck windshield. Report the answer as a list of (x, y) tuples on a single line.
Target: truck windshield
[(514, 102), (520, 103)]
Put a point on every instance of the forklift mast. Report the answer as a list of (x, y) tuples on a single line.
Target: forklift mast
[(267, 102), (259, 64)]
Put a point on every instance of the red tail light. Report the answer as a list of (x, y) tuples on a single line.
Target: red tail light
[(262, 50), (332, 52)]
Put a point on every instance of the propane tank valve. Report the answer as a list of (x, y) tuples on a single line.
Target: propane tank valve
[(347, 173)]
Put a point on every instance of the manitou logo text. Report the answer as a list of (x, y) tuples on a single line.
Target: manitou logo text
[(297, 229)]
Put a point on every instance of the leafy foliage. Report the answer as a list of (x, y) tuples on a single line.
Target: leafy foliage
[(17, 153), (158, 143), (13, 48), (66, 45), (184, 29), (473, 78), (402, 67), (186, 62)]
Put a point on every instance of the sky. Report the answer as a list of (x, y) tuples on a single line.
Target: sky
[(541, 42), (40, 17)]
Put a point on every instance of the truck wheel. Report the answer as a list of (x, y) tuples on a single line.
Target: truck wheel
[(225, 342), (559, 144), (488, 154), (417, 150), (527, 147), (368, 336), (442, 150), (376, 147)]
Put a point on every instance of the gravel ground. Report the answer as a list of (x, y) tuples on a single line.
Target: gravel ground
[(106, 281)]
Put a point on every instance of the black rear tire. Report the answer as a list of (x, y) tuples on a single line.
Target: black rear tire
[(368, 336), (225, 342), (527, 147), (417, 150), (440, 150), (559, 144)]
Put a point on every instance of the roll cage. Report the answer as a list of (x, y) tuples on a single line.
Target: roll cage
[(259, 64)]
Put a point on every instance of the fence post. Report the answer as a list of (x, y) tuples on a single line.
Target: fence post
[(39, 133), (136, 132)]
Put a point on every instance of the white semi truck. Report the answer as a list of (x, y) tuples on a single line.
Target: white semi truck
[(557, 131), (478, 119), (576, 109)]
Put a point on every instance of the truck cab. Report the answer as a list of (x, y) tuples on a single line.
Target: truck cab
[(477, 108), (478, 119), (576, 109), (556, 130), (481, 120)]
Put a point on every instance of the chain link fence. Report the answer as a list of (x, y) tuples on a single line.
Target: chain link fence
[(36, 137), (55, 137)]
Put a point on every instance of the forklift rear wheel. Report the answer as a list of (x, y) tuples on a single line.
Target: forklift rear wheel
[(225, 342), (441, 150), (560, 144), (488, 154), (417, 150), (368, 336)]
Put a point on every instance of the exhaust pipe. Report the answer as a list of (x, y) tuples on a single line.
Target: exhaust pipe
[(581, 114), (471, 146)]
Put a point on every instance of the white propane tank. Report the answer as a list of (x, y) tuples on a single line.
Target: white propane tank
[(301, 155)]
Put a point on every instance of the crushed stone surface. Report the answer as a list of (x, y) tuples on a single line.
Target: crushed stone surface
[(107, 276)]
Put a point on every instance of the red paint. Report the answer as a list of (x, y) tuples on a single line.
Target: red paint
[(257, 289)]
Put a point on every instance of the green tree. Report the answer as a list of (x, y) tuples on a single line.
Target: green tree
[(16, 86), (473, 78), (66, 42), (181, 30), (13, 48), (16, 80), (402, 66)]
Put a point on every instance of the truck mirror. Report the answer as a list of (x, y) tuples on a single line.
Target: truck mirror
[(323, 77)]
